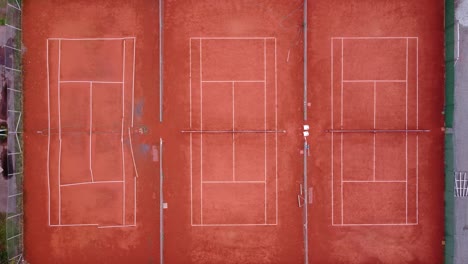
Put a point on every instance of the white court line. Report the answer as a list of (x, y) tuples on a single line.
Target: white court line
[(417, 127), (375, 112), (133, 80), (417, 138), (201, 136), (265, 115), (84, 183), (382, 224), (112, 38), (236, 225), (341, 159), (101, 82), (373, 181), (71, 81), (131, 152), (91, 129), (232, 38), (134, 200), (233, 182), (123, 79), (116, 226), (406, 136), (71, 225), (276, 136), (60, 132), (122, 133), (370, 38), (233, 144), (190, 92), (417, 83), (123, 176), (332, 134), (374, 81), (123, 172), (201, 123), (191, 181), (239, 81)]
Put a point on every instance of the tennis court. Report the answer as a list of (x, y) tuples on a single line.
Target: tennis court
[(206, 159), (390, 105), (90, 121)]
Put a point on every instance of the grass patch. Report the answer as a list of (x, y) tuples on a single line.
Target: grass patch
[(3, 245)]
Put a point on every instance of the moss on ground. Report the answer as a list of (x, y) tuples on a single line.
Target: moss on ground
[(3, 245)]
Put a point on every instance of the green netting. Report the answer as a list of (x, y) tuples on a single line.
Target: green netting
[(15, 2), (14, 40), (449, 200), (11, 114), (449, 62), (13, 17), (449, 110)]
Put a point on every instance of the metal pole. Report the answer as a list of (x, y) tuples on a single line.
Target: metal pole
[(306, 240), (161, 204), (305, 59), (458, 42), (161, 60)]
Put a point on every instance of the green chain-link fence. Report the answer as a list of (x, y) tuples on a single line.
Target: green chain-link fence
[(449, 110), (11, 107)]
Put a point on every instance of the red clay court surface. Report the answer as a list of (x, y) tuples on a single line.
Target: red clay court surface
[(92, 181), (92, 111)]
